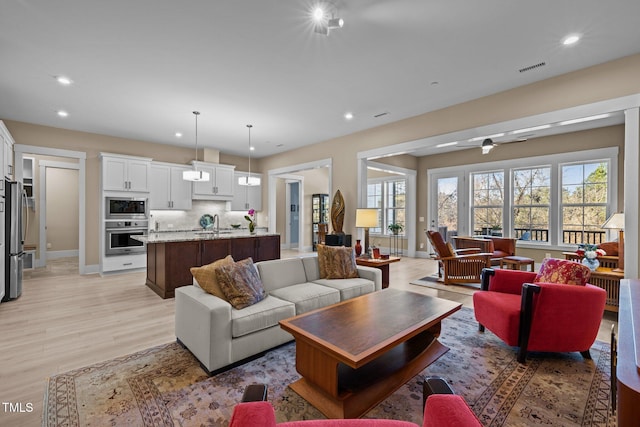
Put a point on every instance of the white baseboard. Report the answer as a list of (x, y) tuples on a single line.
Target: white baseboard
[(91, 269), (62, 254)]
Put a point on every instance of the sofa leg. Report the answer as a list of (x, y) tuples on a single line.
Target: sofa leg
[(480, 327), (586, 354), (522, 354)]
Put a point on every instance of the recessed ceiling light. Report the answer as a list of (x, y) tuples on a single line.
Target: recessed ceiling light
[(348, 116), (178, 134), (63, 80), (252, 148), (569, 40), (62, 113)]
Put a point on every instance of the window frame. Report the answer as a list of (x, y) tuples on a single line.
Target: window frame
[(382, 210), (609, 154)]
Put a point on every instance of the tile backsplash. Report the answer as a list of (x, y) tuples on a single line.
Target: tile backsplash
[(189, 220)]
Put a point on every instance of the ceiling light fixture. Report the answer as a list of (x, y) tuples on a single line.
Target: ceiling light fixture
[(487, 145), (531, 129), (480, 138), (348, 116), (569, 40), (195, 174), (325, 19), (178, 134), (584, 119), (63, 80), (447, 144), (249, 180), (62, 113)]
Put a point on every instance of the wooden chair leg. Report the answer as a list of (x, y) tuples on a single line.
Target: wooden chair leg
[(480, 327)]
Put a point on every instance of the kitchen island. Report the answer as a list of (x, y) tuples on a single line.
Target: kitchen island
[(170, 255)]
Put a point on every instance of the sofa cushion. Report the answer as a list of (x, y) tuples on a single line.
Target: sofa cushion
[(206, 276), (336, 262), (562, 272), (311, 267), (261, 315), (308, 296), (240, 283), (349, 288), (279, 273)]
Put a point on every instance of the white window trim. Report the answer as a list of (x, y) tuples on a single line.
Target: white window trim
[(609, 154)]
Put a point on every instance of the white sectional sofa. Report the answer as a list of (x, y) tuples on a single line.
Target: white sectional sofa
[(219, 335)]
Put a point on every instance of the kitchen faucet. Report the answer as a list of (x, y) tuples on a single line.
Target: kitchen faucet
[(216, 221)]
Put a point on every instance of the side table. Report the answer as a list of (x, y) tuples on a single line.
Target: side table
[(396, 244), (608, 280), (381, 264)]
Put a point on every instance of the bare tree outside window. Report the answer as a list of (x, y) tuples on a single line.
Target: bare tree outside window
[(531, 203)]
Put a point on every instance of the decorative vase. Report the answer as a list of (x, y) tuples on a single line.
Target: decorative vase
[(592, 263), (358, 247)]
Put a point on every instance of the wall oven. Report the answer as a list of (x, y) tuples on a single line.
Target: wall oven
[(118, 237), (126, 208)]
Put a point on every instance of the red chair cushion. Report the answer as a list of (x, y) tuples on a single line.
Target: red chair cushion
[(448, 410), (562, 272), (500, 313)]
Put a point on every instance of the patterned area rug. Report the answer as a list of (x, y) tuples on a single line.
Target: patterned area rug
[(164, 386)]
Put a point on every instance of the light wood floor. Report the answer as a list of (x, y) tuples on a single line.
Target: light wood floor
[(65, 321)]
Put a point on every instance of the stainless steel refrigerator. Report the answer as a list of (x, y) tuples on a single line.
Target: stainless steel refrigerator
[(15, 232)]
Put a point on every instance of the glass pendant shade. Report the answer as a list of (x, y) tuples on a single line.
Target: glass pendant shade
[(195, 174)]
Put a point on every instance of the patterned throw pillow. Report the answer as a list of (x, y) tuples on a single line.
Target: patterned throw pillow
[(336, 262), (562, 271), (240, 283), (206, 276)]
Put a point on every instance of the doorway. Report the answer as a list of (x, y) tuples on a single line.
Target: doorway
[(293, 220)]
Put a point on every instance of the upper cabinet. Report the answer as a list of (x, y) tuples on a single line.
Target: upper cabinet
[(220, 184), (246, 197), (7, 151), (125, 173), (167, 188)]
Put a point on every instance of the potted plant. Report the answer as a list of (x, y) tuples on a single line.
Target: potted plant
[(395, 228)]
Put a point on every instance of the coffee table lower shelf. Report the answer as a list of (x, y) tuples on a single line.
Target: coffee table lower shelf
[(360, 390)]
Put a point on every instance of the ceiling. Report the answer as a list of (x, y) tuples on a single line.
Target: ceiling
[(139, 68)]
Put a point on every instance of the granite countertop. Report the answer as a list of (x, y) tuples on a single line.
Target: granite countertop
[(194, 235)]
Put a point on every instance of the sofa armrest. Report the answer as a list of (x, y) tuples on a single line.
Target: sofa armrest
[(448, 410), (371, 273), (253, 414), (203, 325)]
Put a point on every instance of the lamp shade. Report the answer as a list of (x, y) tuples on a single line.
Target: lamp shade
[(615, 221), (366, 218)]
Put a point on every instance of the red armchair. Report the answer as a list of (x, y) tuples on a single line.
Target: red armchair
[(441, 410), (541, 316)]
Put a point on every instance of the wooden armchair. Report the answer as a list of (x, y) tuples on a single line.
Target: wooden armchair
[(498, 247), (462, 266)]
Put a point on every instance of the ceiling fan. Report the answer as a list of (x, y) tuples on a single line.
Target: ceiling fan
[(489, 143)]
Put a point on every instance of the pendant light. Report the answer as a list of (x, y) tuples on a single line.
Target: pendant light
[(249, 180), (195, 174)]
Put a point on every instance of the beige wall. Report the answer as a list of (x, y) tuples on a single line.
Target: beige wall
[(605, 81), (62, 209)]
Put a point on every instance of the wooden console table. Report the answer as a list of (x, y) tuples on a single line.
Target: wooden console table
[(608, 280)]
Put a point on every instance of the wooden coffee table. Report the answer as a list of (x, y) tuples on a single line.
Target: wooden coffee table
[(354, 354)]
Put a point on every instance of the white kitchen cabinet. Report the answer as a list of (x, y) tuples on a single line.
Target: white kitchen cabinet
[(7, 151), (168, 190), (123, 262), (220, 184), (125, 173), (246, 196)]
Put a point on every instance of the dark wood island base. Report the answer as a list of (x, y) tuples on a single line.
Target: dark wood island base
[(169, 262)]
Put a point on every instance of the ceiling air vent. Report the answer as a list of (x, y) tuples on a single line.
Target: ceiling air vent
[(380, 114), (532, 67)]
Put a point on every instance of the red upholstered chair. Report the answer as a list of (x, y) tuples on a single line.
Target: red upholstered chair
[(441, 410), (541, 312), (462, 266)]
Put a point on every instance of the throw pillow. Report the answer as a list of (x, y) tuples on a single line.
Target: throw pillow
[(206, 276), (336, 262), (563, 272), (240, 283)]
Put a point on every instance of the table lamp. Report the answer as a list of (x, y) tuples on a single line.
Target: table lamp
[(366, 218), (616, 222)]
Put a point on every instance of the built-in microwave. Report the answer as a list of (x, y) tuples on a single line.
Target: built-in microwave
[(126, 208)]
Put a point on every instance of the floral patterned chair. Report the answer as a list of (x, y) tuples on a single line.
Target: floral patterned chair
[(555, 310)]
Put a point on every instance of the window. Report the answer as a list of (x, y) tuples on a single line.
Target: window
[(531, 203), (389, 196), (584, 202), (488, 202)]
